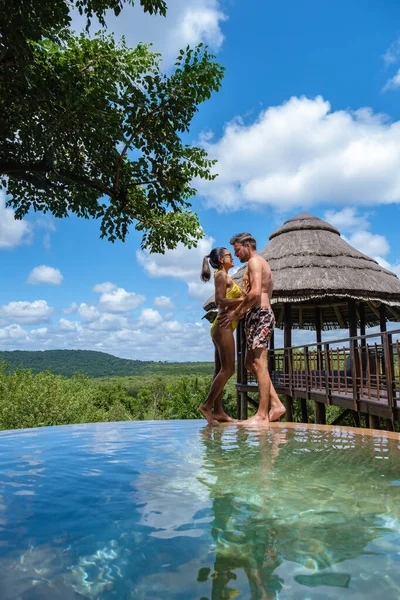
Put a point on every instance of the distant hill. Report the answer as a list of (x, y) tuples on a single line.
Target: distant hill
[(97, 364)]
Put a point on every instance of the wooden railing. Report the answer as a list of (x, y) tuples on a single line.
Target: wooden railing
[(364, 368)]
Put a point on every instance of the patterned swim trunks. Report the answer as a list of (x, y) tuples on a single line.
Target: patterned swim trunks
[(258, 325)]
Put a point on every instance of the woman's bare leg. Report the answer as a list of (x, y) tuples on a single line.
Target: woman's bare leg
[(225, 345)]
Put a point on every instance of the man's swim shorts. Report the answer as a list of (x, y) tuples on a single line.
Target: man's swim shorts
[(258, 325)]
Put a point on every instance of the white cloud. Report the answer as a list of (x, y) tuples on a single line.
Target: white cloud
[(150, 318), (103, 288), (374, 245), (12, 232), (347, 219), (198, 290), (70, 309), (368, 243), (41, 332), (108, 322), (67, 325), (393, 82), (164, 302), (187, 22), (27, 312), (302, 154), (45, 275), (392, 54), (119, 300), (88, 312), (12, 332), (182, 264), (148, 338), (45, 222)]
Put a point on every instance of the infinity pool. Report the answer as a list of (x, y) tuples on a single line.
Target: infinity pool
[(176, 510)]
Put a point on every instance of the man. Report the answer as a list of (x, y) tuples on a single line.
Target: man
[(259, 323)]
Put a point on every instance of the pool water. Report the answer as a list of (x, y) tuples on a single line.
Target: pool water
[(176, 510)]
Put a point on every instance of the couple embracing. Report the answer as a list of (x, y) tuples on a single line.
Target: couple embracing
[(253, 302)]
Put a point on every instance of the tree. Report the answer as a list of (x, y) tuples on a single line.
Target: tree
[(92, 127)]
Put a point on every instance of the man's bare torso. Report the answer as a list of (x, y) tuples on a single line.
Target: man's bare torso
[(267, 286)]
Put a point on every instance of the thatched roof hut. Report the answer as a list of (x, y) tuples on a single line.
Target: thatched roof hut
[(319, 274)]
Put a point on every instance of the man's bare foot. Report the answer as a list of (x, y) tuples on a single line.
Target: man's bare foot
[(222, 417), (276, 413), (256, 420), (207, 414)]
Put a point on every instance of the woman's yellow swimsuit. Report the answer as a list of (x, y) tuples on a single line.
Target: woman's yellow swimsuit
[(234, 292)]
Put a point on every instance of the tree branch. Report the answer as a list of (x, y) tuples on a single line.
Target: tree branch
[(138, 130), (17, 170)]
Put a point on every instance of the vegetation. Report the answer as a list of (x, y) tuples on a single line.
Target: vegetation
[(37, 400), (97, 364), (92, 127)]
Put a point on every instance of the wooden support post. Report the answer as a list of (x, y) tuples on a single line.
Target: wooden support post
[(287, 336), (304, 413), (243, 406), (239, 364), (351, 304), (389, 425), (389, 372), (271, 355), (382, 325), (361, 310), (318, 330), (355, 368), (328, 375), (320, 413), (356, 418), (242, 397), (288, 402), (382, 317), (373, 422)]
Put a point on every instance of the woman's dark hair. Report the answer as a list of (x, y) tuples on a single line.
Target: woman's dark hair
[(211, 259)]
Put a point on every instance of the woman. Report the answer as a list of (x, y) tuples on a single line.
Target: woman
[(227, 295)]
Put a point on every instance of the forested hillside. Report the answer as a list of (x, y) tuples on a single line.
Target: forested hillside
[(97, 364)]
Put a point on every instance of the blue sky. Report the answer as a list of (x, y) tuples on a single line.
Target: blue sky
[(308, 118)]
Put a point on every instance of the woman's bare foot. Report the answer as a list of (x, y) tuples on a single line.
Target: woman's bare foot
[(222, 417), (276, 413), (207, 414)]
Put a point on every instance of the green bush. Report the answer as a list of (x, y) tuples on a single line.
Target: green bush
[(42, 399)]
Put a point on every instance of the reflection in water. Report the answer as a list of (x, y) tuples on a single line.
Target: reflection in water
[(300, 514), (242, 539), (176, 511)]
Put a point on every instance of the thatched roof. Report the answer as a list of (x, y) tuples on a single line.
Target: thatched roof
[(313, 266)]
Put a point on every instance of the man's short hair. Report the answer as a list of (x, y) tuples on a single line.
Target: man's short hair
[(242, 239)]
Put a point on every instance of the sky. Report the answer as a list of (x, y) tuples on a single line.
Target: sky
[(307, 119)]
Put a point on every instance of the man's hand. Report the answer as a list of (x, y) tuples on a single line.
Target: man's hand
[(226, 318)]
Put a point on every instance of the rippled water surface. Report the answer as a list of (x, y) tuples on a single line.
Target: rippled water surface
[(176, 510)]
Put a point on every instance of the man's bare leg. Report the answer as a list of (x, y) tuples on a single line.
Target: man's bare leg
[(277, 408), (260, 369)]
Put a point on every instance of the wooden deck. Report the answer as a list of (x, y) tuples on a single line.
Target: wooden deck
[(360, 374)]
